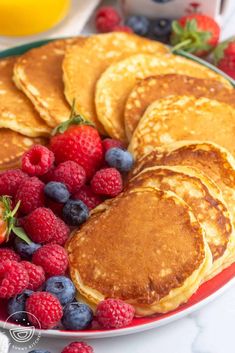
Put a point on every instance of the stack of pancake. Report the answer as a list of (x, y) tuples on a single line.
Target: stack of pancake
[(172, 228)]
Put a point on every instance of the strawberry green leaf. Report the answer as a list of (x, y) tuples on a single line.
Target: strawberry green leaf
[(218, 53), (21, 234)]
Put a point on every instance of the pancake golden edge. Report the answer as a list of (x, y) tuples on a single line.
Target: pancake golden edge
[(86, 61), (116, 83), (16, 111), (176, 118), (200, 183), (176, 296)]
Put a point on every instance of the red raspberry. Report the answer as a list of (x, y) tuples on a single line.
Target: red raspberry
[(106, 19), (37, 160), (114, 313), (86, 195), (107, 182), (48, 176), (31, 195), (36, 275), (10, 181), (8, 254), (125, 29), (61, 232), (71, 174), (14, 279), (45, 309), (53, 259), (111, 143), (56, 207), (78, 347), (39, 225)]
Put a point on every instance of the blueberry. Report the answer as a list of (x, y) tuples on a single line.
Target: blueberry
[(77, 316), (139, 24), (161, 1), (39, 351), (57, 191), (16, 305), (161, 29), (25, 250), (119, 159), (75, 212), (62, 287)]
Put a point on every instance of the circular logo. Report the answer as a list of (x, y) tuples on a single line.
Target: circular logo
[(23, 334)]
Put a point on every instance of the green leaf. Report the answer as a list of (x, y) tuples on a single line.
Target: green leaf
[(19, 231), (176, 27)]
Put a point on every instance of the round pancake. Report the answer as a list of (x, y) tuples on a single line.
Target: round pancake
[(16, 111), (84, 63), (131, 251), (176, 118), (38, 73), (204, 198), (116, 83), (13, 145), (153, 88)]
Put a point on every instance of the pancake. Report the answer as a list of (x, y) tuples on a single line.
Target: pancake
[(176, 118), (152, 263), (16, 111), (13, 145), (204, 198), (116, 83), (84, 63), (153, 88), (38, 73)]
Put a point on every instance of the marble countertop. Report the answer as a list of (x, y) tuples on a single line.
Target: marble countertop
[(209, 330)]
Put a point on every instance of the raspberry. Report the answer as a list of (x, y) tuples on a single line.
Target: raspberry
[(125, 29), (78, 347), (36, 275), (71, 174), (48, 176), (14, 279), (107, 182), (39, 225), (31, 194), (10, 181), (61, 232), (86, 195), (111, 143), (45, 309), (106, 19), (114, 313), (53, 259), (8, 254), (37, 160)]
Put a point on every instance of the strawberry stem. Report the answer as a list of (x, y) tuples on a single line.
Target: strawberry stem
[(181, 45)]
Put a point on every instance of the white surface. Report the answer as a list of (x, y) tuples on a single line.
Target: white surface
[(209, 330)]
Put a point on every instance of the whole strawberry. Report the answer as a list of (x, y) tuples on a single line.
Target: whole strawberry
[(195, 33), (224, 57), (77, 140)]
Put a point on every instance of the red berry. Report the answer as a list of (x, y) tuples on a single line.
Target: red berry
[(111, 143), (31, 195), (107, 182), (14, 279), (114, 313), (53, 259), (48, 176), (71, 174), (86, 195), (8, 254), (61, 232), (78, 347), (125, 29), (81, 144), (36, 275), (37, 160), (10, 181), (106, 19), (45, 309), (39, 225)]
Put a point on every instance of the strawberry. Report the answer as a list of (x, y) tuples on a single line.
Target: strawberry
[(195, 33), (77, 140), (3, 224), (224, 57)]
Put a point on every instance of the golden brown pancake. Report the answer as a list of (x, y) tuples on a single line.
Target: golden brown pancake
[(204, 198), (116, 83), (38, 73), (13, 145), (176, 118), (145, 247), (16, 111), (86, 61), (153, 88)]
